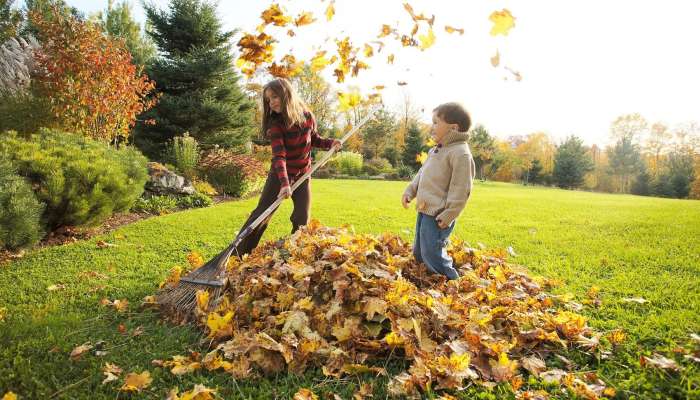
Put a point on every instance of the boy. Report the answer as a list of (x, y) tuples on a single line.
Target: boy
[(442, 187)]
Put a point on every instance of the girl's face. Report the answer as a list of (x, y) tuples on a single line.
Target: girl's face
[(273, 100), (440, 128)]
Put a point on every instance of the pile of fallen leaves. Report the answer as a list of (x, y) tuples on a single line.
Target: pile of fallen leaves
[(348, 303)]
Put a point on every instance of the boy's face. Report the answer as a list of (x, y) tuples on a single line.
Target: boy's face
[(440, 127)]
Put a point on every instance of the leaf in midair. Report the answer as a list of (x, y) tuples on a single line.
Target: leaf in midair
[(330, 11), (503, 21), (450, 29)]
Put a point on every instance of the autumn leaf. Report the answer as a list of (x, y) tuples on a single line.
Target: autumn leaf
[(369, 51), (56, 287), (450, 29), (195, 259), (304, 18), (402, 83), (319, 61), (496, 59), (386, 31), (349, 100), (330, 11), (503, 22), (274, 15), (659, 361), (504, 368), (219, 325), (111, 372), (638, 300), (422, 157), (78, 352), (304, 394), (390, 59), (426, 41), (616, 337), (9, 396), (136, 382)]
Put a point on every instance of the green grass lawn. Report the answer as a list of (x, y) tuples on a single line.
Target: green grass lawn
[(628, 246)]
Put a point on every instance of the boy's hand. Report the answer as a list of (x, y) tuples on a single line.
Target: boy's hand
[(441, 224), (405, 199), (285, 192), (337, 145)]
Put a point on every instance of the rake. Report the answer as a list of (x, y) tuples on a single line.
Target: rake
[(181, 299)]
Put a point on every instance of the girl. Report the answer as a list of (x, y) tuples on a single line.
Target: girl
[(291, 129)]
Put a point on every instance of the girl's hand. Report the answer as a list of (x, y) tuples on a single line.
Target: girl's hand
[(405, 200), (285, 192), (337, 145)]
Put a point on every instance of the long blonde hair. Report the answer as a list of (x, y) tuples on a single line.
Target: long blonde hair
[(293, 107)]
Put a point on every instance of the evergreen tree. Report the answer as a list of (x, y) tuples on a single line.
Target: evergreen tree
[(196, 79), (118, 22), (625, 160), (642, 183), (10, 20), (571, 163), (534, 174), (414, 146)]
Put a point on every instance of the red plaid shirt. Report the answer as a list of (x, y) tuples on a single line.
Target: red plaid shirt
[(291, 148)]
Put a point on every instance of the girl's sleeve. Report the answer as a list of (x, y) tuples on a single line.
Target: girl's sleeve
[(317, 141), (279, 154)]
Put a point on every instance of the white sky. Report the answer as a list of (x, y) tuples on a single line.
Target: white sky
[(584, 62)]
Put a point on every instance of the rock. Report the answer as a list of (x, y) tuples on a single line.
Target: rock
[(162, 181)]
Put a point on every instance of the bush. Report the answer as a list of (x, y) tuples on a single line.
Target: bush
[(197, 200), (377, 166), (20, 211), (156, 205), (234, 174), (404, 171), (348, 163), (184, 152), (81, 181), (204, 188), (24, 113)]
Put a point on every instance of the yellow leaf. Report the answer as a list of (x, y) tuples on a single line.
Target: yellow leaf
[(199, 392), (369, 51), (304, 18), (430, 142), (218, 324), (428, 40), (319, 61), (386, 31), (393, 339), (195, 259), (420, 158), (503, 21), (390, 59), (274, 15), (330, 11), (348, 101), (616, 337), (3, 313), (496, 59), (9, 396), (450, 29), (202, 300), (374, 306), (136, 382), (304, 394), (304, 304)]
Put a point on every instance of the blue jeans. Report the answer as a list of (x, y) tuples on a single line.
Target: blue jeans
[(430, 244)]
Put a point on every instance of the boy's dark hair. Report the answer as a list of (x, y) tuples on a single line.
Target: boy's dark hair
[(454, 113)]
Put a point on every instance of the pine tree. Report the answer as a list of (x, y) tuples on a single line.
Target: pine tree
[(571, 163), (196, 79), (414, 146)]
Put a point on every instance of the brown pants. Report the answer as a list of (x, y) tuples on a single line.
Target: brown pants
[(300, 216)]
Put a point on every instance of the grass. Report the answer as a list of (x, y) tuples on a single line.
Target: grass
[(628, 246)]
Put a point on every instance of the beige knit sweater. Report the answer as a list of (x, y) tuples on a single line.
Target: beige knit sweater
[(443, 184)]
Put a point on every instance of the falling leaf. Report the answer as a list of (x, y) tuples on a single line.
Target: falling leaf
[(349, 100), (369, 51), (390, 59), (386, 31), (496, 59), (304, 394), (659, 361), (319, 61), (428, 40), (420, 158), (402, 83), (503, 21), (516, 74), (304, 18), (290, 33), (136, 382), (378, 87), (80, 350), (274, 15), (450, 29), (330, 11)]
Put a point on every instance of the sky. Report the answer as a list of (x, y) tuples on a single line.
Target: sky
[(583, 62)]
